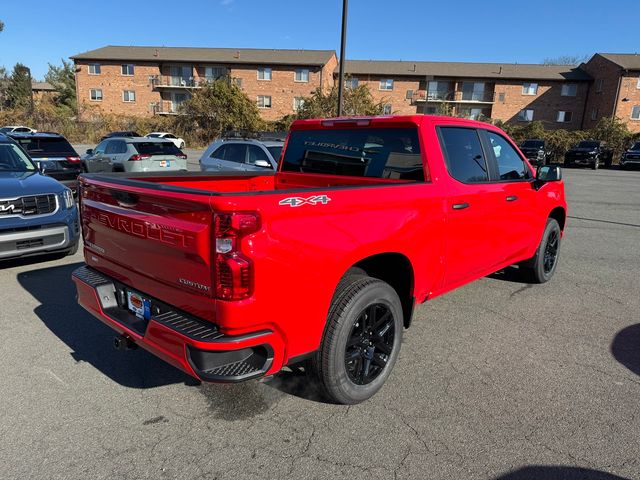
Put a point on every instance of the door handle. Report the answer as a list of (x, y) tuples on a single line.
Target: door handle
[(460, 206), (511, 198)]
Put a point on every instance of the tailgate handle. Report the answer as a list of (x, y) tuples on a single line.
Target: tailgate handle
[(125, 199)]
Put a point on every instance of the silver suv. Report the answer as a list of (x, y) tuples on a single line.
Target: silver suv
[(137, 154), (241, 154)]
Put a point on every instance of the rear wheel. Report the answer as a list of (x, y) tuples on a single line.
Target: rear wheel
[(361, 341), (596, 161), (542, 266)]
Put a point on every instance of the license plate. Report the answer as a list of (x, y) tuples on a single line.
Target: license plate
[(138, 305), (165, 163)]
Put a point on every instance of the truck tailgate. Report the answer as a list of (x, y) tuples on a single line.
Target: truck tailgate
[(158, 241)]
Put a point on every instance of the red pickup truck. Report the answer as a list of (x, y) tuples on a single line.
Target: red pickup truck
[(232, 277)]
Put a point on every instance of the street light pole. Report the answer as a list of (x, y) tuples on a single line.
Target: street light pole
[(343, 41)]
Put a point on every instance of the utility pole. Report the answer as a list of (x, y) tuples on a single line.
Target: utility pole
[(343, 41)]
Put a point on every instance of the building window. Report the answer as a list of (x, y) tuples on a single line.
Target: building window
[(564, 117), (594, 113), (569, 90), (599, 85), (473, 91), (501, 97), (351, 82), (529, 88), (635, 113), (470, 113), (298, 103), (127, 70), (214, 73), (437, 90), (95, 94), (264, 73), (264, 101), (129, 96), (386, 109), (301, 75), (386, 84), (525, 115), (409, 94), (430, 110), (238, 82), (94, 69)]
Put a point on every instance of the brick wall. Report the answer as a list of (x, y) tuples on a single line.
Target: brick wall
[(400, 105), (113, 83), (629, 97), (509, 101), (603, 103)]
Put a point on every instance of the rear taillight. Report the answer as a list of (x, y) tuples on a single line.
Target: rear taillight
[(139, 156), (73, 159), (233, 270)]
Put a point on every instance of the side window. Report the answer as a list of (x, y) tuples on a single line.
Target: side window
[(255, 154), (111, 148), (100, 148), (510, 165), (121, 147), (236, 152), (464, 154), (219, 153)]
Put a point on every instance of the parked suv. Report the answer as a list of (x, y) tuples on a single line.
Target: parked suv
[(16, 129), (37, 213), (53, 155), (591, 153), (127, 133), (134, 155), (536, 151), (241, 154), (631, 158)]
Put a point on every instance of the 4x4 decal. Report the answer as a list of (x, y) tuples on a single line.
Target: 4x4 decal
[(299, 201)]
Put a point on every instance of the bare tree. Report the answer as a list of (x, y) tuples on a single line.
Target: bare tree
[(565, 60)]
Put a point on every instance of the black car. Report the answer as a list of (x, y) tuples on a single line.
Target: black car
[(592, 153), (54, 156), (631, 158), (126, 134), (536, 151)]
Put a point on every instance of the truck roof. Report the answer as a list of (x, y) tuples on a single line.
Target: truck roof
[(386, 120)]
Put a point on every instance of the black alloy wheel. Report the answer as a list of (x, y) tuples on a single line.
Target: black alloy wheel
[(370, 344), (551, 251)]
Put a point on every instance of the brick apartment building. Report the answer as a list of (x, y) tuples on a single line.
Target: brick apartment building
[(147, 81), (552, 94), (615, 89)]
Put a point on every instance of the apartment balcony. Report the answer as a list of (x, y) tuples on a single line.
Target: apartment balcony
[(165, 107), (424, 96), (173, 82)]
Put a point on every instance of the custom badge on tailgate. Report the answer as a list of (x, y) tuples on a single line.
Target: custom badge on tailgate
[(299, 201)]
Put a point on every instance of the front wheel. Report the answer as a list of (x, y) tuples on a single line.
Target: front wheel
[(361, 341), (596, 161), (542, 266)]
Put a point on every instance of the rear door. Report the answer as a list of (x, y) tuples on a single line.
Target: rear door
[(258, 154), (94, 162), (473, 244), (230, 156)]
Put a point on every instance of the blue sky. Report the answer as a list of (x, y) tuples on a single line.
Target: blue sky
[(38, 31)]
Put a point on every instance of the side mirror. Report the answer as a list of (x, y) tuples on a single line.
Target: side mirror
[(548, 173), (262, 163), (89, 151)]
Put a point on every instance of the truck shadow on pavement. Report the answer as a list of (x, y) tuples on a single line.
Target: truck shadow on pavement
[(625, 347), (88, 338), (546, 472)]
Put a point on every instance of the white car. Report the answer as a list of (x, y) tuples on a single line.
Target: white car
[(17, 129), (178, 142)]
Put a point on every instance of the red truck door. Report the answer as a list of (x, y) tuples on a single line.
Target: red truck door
[(516, 204), (473, 244)]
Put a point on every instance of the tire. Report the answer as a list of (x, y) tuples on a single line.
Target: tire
[(542, 266), (359, 302), (567, 163), (596, 161), (117, 168)]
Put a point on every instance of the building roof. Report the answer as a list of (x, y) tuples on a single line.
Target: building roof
[(45, 86), (463, 69), (628, 61), (208, 55)]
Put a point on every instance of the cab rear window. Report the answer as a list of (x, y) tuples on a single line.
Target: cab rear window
[(372, 152), (157, 148)]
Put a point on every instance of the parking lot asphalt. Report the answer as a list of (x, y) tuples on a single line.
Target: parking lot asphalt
[(496, 380)]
